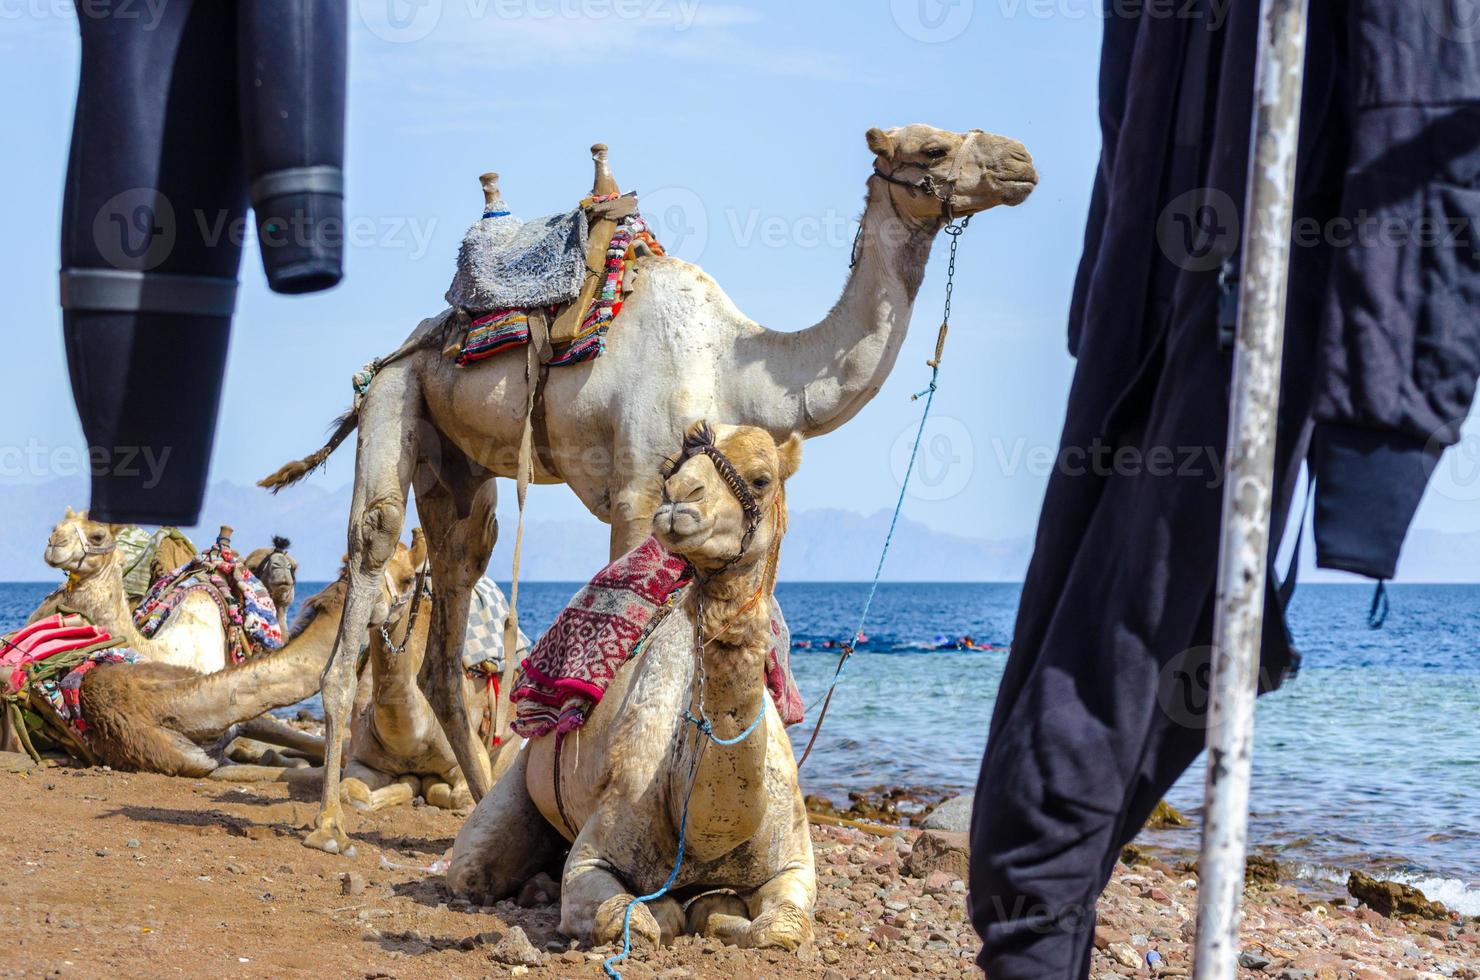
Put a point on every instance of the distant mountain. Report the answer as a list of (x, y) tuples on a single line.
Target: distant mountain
[(822, 545)]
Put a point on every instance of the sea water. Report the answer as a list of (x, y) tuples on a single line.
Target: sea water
[(1369, 758)]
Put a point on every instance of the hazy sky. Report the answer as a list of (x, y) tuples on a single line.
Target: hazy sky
[(741, 124)]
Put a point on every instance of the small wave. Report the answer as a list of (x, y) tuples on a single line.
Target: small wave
[(1461, 896)]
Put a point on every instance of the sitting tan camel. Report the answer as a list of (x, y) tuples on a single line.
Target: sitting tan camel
[(277, 570), (679, 351), (625, 781), (87, 551), (164, 718)]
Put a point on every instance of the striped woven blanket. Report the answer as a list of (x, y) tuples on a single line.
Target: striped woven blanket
[(248, 614), (563, 679)]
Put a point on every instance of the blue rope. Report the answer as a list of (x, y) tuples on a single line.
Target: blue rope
[(707, 729), (929, 395), (609, 965)]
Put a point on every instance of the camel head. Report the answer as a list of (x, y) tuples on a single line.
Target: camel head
[(938, 174), (723, 499), (80, 547), (400, 581), (277, 570), (398, 585)]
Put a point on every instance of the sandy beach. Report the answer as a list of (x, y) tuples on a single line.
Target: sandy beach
[(107, 873)]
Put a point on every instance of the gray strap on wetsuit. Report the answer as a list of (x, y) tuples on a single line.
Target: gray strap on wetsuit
[(321, 179), (126, 291)]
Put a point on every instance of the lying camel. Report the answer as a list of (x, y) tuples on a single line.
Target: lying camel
[(164, 718), (624, 782), (87, 551)]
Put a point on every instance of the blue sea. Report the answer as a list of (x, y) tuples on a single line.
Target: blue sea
[(1369, 758)]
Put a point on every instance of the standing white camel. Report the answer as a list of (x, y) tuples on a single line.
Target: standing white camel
[(680, 351)]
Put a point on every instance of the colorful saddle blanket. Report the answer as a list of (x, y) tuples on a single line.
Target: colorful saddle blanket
[(505, 328), (248, 614), (47, 660), (570, 668)]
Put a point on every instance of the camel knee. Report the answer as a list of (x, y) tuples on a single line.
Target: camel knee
[(477, 881), (376, 532)]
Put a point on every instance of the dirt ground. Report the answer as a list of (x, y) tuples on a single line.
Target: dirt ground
[(127, 875)]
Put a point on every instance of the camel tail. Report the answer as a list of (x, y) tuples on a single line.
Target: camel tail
[(290, 473)]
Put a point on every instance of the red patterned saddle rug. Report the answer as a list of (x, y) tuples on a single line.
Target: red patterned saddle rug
[(565, 676)]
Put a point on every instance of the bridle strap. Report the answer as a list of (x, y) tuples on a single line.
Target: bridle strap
[(700, 442), (88, 550), (941, 190), (421, 588)]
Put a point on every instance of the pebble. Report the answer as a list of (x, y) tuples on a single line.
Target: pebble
[(133, 842), (352, 883), (1124, 955), (515, 949)]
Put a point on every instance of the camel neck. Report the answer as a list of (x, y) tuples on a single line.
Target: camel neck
[(830, 370), (218, 700), (395, 671), (729, 796), (101, 599)]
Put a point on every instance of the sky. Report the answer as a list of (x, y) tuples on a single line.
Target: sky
[(741, 125)]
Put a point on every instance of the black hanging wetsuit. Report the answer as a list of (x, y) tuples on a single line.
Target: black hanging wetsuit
[(1104, 696), (186, 112)]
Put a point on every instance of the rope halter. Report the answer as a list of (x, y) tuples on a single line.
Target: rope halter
[(88, 550), (942, 190), (700, 442)]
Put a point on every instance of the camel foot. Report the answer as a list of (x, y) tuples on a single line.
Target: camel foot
[(719, 916), (437, 794), (610, 915), (328, 836), (783, 926), (355, 793)]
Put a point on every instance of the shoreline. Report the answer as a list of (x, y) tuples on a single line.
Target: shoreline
[(144, 875)]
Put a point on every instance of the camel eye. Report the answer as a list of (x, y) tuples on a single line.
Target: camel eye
[(97, 537), (761, 482), (936, 152)]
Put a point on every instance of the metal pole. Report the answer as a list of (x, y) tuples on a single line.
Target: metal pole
[(1248, 489)]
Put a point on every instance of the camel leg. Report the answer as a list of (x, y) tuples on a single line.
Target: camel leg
[(448, 792), (270, 729), (593, 900), (370, 789), (459, 552), (719, 915), (632, 516), (780, 909), (249, 774), (504, 842), (384, 461)]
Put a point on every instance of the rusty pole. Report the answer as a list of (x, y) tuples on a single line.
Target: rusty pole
[(1248, 489)]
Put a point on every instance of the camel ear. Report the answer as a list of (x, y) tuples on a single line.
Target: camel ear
[(790, 452), (880, 142), (69, 515), (418, 547)]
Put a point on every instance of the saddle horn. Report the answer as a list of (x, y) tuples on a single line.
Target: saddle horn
[(604, 183), (493, 198)]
